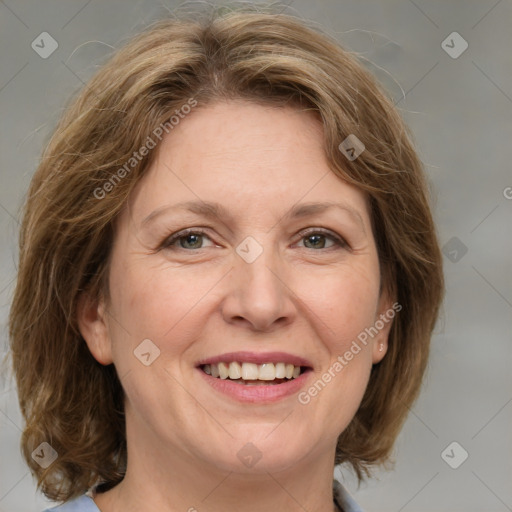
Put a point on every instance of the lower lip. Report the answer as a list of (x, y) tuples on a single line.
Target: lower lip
[(256, 394)]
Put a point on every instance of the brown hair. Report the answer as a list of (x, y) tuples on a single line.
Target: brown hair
[(73, 402)]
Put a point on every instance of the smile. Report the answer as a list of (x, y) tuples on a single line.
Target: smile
[(251, 374), (255, 377)]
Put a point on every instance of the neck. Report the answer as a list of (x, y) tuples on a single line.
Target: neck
[(174, 481)]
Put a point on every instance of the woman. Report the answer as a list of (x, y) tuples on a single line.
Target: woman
[(228, 276)]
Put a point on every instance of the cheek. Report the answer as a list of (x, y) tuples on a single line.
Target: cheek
[(160, 304), (346, 303), (344, 308)]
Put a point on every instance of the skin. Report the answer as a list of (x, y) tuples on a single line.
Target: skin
[(199, 298)]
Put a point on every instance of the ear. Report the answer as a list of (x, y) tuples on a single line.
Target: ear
[(386, 311), (92, 322)]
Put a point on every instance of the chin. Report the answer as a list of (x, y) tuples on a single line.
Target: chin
[(261, 456)]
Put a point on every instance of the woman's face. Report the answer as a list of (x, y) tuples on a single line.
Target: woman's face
[(259, 279)]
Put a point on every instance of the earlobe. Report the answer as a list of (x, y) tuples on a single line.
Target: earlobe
[(92, 323), (383, 322), (379, 351)]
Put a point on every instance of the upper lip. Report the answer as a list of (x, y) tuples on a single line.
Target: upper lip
[(257, 358)]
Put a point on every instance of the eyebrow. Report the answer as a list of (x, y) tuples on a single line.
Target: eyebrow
[(218, 211)]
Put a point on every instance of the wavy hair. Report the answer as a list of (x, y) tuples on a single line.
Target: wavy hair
[(73, 402)]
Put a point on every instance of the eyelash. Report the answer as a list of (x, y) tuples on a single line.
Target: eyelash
[(169, 241)]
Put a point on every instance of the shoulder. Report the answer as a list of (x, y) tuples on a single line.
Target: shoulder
[(344, 499), (83, 503)]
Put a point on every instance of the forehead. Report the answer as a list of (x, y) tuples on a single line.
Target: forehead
[(257, 158)]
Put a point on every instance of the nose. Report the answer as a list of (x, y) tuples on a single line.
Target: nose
[(258, 294)]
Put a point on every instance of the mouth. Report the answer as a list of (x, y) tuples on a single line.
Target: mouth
[(256, 377), (251, 374)]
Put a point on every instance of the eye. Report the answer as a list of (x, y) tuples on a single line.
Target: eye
[(187, 239), (315, 239), (193, 238)]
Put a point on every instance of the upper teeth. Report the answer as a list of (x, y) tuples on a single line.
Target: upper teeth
[(251, 371)]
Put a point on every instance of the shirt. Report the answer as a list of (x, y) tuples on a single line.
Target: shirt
[(85, 503)]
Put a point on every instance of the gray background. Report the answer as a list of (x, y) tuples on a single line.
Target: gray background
[(460, 110)]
